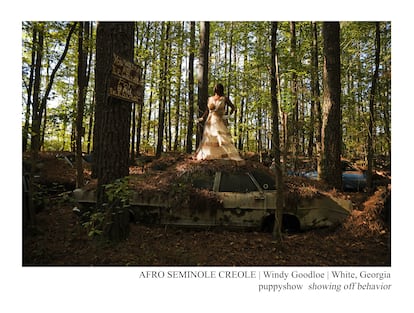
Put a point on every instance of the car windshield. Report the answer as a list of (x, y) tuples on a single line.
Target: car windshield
[(266, 181), (347, 167), (236, 182), (205, 181)]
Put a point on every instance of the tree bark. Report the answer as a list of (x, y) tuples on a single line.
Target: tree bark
[(36, 116), (315, 118), (141, 104), (371, 121), (190, 125), (203, 74), (113, 118), (82, 85), (277, 229), (330, 169), (180, 43), (294, 91), (29, 90), (163, 88)]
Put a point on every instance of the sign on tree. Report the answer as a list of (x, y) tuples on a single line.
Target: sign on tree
[(125, 80)]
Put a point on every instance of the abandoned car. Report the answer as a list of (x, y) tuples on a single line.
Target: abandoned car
[(353, 179), (219, 194)]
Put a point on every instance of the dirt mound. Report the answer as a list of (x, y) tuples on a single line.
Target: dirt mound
[(54, 168), (374, 218)]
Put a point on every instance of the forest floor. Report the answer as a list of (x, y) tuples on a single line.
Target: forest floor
[(57, 238)]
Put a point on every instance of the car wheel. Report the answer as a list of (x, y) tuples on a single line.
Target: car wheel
[(290, 223)]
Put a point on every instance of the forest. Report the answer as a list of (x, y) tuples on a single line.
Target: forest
[(239, 57), (304, 98)]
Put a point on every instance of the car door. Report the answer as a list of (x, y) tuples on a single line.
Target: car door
[(243, 200)]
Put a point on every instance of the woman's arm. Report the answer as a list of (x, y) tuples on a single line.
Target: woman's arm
[(231, 105), (205, 114)]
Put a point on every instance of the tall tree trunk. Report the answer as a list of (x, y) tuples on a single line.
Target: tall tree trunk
[(133, 132), (163, 88), (82, 85), (387, 114), (178, 94), (92, 100), (371, 121), (241, 116), (141, 105), (229, 73), (140, 114), (243, 102), (30, 90), (331, 124), (91, 124), (113, 117), (150, 111), (259, 141), (40, 108), (168, 130), (294, 91), (36, 116), (151, 96), (134, 107), (277, 229), (203, 74), (190, 126), (316, 116), (137, 117)]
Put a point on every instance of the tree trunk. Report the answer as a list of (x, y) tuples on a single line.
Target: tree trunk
[(141, 104), (241, 130), (330, 169), (243, 102), (133, 132), (229, 74), (189, 146), (150, 127), (203, 74), (168, 130), (316, 116), (277, 229), (134, 116), (90, 123), (82, 85), (163, 89), (113, 118), (371, 121), (284, 119), (294, 91), (40, 108), (387, 114), (29, 90), (91, 110), (36, 116), (177, 138), (140, 114)]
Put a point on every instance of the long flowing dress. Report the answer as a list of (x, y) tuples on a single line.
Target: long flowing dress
[(216, 142)]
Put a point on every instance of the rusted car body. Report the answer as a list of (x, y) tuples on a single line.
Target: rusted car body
[(237, 199)]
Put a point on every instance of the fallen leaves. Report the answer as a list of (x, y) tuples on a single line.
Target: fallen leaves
[(363, 240)]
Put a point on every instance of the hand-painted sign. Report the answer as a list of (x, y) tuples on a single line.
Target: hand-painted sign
[(125, 80)]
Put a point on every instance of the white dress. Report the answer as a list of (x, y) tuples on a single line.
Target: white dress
[(216, 142)]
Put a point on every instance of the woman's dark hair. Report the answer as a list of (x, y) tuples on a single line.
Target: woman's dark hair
[(219, 89)]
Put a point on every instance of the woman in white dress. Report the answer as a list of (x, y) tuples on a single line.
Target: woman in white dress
[(217, 142)]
